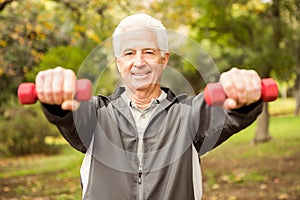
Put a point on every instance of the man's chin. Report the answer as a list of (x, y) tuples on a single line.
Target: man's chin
[(142, 86)]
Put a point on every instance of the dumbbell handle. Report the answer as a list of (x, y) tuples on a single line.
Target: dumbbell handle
[(27, 92), (214, 94)]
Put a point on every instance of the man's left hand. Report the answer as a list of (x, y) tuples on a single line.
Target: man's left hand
[(242, 87)]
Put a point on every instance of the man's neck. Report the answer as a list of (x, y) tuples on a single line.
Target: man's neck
[(143, 98)]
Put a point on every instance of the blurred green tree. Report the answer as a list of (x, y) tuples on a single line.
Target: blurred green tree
[(250, 34)]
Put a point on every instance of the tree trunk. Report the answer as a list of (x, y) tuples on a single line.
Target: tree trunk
[(262, 132), (297, 96)]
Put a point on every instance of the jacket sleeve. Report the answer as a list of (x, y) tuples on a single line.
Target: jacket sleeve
[(76, 127), (214, 125)]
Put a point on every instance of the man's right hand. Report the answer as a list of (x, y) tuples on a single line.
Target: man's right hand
[(57, 87)]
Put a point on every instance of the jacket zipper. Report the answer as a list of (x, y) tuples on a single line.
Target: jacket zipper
[(140, 178), (140, 183)]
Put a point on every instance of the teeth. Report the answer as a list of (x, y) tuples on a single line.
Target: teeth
[(140, 75)]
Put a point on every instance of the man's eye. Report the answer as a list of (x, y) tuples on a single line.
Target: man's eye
[(128, 53), (149, 52)]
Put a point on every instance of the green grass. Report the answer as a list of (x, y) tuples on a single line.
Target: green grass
[(42, 177), (42, 164), (269, 168), (285, 133)]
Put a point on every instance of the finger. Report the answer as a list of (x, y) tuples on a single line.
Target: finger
[(57, 86), (69, 86), (250, 95), (228, 86), (39, 86), (252, 87), (234, 85), (241, 88), (47, 87), (70, 105), (256, 87)]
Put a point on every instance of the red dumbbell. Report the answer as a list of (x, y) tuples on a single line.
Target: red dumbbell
[(27, 93), (214, 94)]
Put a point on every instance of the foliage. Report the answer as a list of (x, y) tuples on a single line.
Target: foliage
[(30, 28), (64, 56), (23, 131), (26, 34), (249, 34)]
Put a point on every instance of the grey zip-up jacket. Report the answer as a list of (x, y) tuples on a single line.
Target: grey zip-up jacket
[(105, 130)]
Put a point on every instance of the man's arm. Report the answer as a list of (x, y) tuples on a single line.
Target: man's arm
[(64, 121), (240, 109), (56, 90), (238, 119), (217, 124)]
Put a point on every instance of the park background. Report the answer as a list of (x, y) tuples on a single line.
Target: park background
[(261, 162)]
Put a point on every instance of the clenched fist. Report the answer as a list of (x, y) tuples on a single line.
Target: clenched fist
[(242, 87), (57, 87)]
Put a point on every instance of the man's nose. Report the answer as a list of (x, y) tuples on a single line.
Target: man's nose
[(139, 59)]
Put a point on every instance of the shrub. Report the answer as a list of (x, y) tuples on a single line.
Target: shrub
[(23, 130)]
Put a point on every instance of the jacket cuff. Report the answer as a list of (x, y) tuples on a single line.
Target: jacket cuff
[(55, 114), (250, 110)]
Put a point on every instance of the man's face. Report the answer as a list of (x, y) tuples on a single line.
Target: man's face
[(141, 63)]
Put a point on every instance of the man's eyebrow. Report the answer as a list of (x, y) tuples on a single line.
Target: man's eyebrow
[(143, 49), (128, 49), (149, 48)]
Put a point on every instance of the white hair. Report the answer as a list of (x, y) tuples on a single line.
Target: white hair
[(140, 21)]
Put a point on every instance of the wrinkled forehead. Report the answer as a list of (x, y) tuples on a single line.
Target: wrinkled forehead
[(138, 39)]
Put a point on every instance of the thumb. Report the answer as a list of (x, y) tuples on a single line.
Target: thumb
[(230, 104), (70, 105)]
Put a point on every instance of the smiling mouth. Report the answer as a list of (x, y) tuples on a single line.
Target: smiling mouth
[(140, 75)]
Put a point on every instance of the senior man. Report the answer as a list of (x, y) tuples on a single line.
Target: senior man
[(143, 141)]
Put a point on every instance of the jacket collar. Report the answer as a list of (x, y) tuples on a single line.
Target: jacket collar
[(170, 95)]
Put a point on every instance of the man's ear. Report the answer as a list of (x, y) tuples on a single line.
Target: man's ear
[(166, 59), (118, 66)]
